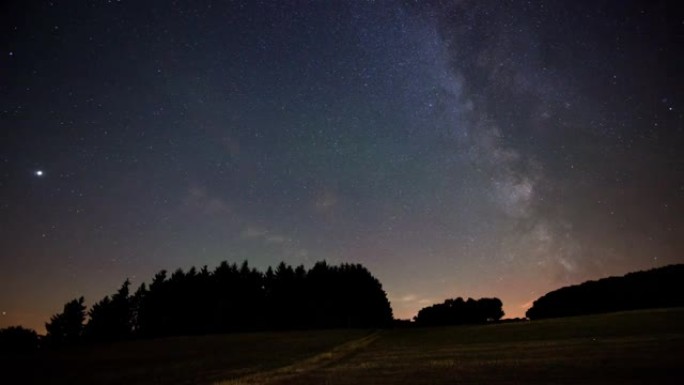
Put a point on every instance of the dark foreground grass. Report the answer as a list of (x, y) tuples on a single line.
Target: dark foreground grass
[(178, 360), (645, 347)]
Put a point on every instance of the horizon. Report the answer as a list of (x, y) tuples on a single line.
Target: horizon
[(454, 149), (41, 329)]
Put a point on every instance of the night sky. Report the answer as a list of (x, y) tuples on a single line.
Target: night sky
[(455, 148)]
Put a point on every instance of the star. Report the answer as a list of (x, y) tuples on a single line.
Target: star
[(412, 139)]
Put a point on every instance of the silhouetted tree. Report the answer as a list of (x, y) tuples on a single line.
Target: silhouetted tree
[(249, 312), (151, 320), (137, 307), (240, 298), (225, 286), (346, 296), (16, 339), (284, 290), (111, 319), (460, 312), (656, 288), (66, 328)]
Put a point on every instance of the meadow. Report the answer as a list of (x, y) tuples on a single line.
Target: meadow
[(640, 347), (644, 347), (174, 360)]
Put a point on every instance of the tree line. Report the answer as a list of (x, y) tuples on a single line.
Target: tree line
[(230, 298), (234, 298), (656, 288), (460, 312)]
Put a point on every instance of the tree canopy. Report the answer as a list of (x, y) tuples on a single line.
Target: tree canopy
[(228, 299), (16, 339), (656, 288), (66, 328), (460, 312)]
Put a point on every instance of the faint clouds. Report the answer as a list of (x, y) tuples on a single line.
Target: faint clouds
[(264, 235), (408, 298), (325, 201), (276, 239), (285, 246), (526, 305), (252, 232), (567, 264), (408, 305), (199, 200), (413, 299)]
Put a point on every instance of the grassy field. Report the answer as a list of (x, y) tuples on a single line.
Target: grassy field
[(644, 347), (177, 360)]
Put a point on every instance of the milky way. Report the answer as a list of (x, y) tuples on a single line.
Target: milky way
[(463, 148)]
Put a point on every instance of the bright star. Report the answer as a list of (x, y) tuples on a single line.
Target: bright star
[(38, 172)]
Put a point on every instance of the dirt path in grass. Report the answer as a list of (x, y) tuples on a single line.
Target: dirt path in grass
[(297, 369)]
